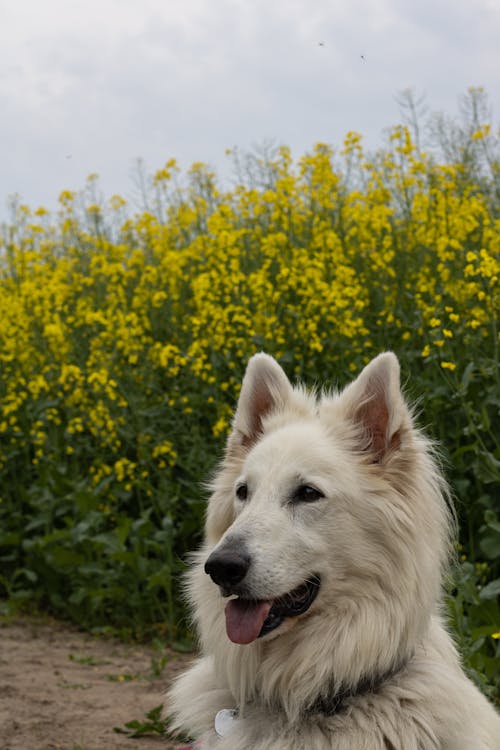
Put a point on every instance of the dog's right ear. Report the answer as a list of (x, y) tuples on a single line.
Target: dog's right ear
[(265, 389)]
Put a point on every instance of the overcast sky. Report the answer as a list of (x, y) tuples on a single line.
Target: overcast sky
[(91, 86)]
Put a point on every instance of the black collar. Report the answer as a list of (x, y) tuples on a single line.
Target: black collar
[(333, 703)]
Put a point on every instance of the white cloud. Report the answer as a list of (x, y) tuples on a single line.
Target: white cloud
[(106, 81)]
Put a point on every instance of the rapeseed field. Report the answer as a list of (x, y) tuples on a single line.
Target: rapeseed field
[(124, 336)]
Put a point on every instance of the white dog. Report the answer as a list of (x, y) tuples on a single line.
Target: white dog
[(317, 591)]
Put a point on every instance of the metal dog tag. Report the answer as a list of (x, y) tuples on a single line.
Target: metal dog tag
[(224, 721)]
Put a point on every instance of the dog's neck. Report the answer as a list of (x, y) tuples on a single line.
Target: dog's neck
[(334, 702)]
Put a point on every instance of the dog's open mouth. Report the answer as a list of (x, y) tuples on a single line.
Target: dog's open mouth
[(247, 619)]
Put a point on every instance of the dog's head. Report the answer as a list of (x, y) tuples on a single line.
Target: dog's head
[(323, 504)]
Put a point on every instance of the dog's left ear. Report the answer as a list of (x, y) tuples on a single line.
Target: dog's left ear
[(265, 389), (376, 405)]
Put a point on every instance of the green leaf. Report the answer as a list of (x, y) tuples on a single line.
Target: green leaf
[(490, 545), (153, 724), (467, 375), (491, 590)]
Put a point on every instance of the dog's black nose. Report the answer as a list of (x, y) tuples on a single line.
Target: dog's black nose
[(226, 567)]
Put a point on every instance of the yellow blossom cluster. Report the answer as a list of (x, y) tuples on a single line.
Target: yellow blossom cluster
[(116, 331)]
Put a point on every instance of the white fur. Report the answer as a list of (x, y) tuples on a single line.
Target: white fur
[(379, 538)]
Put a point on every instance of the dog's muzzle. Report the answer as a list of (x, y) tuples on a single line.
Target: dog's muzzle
[(248, 618)]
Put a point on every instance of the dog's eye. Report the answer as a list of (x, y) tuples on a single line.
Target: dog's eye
[(242, 492), (306, 494)]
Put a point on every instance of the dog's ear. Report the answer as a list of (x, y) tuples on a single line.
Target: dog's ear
[(375, 404), (265, 389)]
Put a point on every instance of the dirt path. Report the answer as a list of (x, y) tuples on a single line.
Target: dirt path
[(64, 690)]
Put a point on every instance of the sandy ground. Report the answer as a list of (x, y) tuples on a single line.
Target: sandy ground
[(61, 689)]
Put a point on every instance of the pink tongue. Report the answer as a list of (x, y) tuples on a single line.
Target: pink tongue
[(245, 619)]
